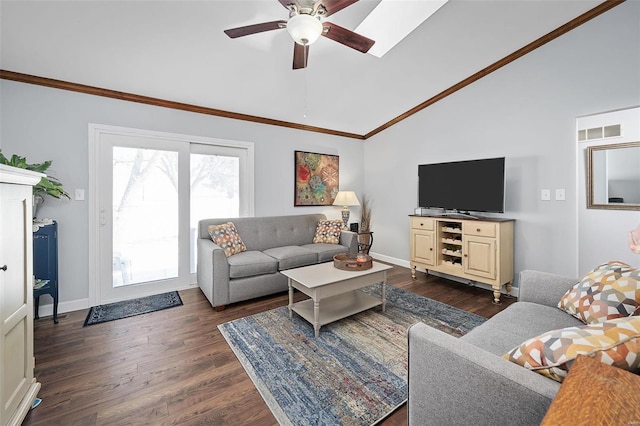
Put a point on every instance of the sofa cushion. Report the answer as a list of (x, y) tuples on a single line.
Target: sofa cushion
[(250, 263), (612, 290), (292, 256), (521, 321), (615, 342), (328, 231), (227, 237), (326, 251)]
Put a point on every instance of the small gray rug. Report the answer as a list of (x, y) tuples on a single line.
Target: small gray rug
[(130, 308)]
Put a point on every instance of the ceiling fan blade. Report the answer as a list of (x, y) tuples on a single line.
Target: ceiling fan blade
[(255, 28), (347, 37), (300, 56), (333, 6), (286, 3)]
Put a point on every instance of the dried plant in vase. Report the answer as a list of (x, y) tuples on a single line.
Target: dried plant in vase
[(365, 215), (365, 239)]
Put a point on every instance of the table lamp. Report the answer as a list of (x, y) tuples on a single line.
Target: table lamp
[(346, 199), (634, 240)]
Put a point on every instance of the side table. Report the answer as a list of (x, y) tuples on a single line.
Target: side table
[(45, 265), (594, 393)]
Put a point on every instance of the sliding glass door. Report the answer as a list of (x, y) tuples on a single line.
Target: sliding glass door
[(151, 191)]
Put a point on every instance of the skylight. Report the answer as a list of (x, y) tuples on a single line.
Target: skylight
[(392, 20)]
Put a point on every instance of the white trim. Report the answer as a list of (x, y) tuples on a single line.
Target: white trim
[(95, 133)]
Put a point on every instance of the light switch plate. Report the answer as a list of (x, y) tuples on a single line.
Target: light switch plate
[(79, 195), (560, 195), (545, 195)]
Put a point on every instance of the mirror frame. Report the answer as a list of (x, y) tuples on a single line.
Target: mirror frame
[(590, 198)]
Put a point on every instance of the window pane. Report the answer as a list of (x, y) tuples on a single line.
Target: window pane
[(145, 215), (214, 191)]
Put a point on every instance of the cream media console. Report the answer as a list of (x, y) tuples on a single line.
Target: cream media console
[(479, 250)]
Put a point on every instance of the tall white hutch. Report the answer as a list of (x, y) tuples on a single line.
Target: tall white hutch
[(18, 386)]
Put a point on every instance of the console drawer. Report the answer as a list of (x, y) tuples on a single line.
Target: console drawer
[(422, 223), (480, 229)]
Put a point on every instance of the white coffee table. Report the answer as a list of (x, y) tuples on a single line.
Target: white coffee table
[(338, 290)]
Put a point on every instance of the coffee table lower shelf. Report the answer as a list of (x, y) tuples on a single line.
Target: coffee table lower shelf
[(337, 307)]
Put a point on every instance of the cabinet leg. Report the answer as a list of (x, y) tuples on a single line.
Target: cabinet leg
[(55, 310), (508, 288), (36, 306), (413, 272), (496, 297)]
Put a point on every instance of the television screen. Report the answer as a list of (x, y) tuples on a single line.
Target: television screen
[(475, 185)]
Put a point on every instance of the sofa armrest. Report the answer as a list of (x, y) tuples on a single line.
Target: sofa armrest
[(213, 272), (543, 288), (349, 239), (453, 382)]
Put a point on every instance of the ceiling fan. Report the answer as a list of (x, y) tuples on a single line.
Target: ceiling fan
[(305, 26)]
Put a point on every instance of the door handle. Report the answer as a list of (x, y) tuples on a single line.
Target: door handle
[(4, 268)]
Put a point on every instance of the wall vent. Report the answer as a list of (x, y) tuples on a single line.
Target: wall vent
[(611, 131)]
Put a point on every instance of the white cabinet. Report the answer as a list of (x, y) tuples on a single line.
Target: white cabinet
[(18, 387), (479, 250)]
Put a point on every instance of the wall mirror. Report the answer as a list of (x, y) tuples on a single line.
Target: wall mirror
[(613, 176)]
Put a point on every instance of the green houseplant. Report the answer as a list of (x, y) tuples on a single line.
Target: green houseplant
[(48, 185)]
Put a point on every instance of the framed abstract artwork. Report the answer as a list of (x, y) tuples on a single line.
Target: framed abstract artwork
[(317, 178)]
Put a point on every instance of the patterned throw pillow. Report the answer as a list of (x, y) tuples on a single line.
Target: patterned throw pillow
[(612, 290), (615, 342), (328, 231), (226, 236)]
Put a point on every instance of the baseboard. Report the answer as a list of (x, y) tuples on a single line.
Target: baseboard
[(46, 310), (69, 306), (515, 291), (389, 259)]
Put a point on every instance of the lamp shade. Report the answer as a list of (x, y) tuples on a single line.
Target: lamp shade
[(304, 29), (346, 198)]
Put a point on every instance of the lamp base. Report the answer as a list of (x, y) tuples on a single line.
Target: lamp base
[(345, 219)]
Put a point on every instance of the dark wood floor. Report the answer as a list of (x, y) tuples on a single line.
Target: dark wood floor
[(173, 366)]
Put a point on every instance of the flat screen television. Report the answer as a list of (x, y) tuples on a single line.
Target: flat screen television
[(464, 186)]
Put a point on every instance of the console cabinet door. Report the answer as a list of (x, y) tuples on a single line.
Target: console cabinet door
[(479, 256), (422, 247)]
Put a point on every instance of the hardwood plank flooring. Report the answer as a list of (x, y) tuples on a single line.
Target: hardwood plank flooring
[(174, 366)]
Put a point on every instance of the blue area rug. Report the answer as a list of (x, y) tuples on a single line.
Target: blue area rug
[(355, 373), (129, 308)]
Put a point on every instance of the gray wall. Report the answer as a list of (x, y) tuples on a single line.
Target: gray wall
[(49, 124), (527, 112)]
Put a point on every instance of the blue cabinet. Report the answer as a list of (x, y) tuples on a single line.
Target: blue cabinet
[(45, 266)]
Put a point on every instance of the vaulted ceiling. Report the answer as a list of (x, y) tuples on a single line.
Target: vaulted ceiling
[(177, 51)]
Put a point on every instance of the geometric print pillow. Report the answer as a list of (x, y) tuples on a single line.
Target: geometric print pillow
[(328, 231), (227, 237), (615, 342), (612, 290)]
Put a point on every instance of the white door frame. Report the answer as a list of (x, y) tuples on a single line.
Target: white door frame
[(95, 133)]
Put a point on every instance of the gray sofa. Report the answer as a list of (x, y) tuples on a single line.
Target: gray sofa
[(465, 381), (273, 244)]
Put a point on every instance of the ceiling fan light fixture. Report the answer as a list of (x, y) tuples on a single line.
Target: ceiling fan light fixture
[(304, 29)]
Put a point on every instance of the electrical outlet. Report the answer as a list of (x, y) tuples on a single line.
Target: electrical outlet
[(545, 195), (79, 195), (560, 195)]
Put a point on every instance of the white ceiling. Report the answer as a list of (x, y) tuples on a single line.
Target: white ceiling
[(176, 50)]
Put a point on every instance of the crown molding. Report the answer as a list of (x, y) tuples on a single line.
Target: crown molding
[(130, 97), (574, 23)]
